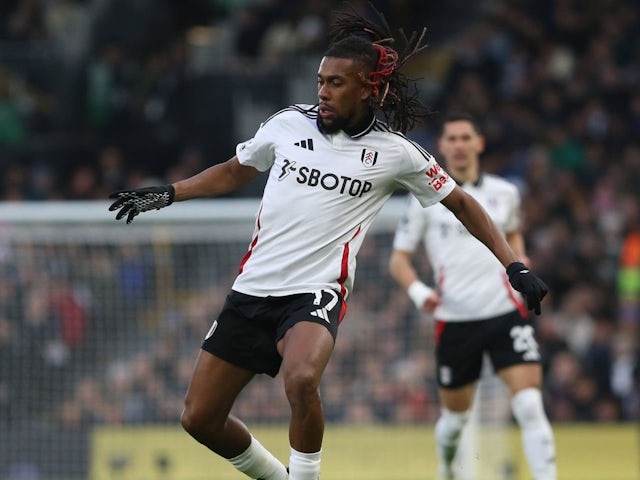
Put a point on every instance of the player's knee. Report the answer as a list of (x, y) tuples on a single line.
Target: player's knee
[(450, 425), (301, 385), (189, 421), (196, 422), (527, 407)]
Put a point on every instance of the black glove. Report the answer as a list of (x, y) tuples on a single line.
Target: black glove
[(527, 283), (133, 202)]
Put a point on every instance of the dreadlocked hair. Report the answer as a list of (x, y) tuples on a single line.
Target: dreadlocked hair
[(371, 42)]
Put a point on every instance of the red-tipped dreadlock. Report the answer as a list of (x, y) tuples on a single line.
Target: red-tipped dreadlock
[(387, 61), (394, 94)]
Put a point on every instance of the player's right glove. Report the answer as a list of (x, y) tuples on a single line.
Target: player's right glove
[(524, 281), (133, 202)]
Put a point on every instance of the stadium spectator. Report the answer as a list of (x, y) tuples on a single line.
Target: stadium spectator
[(12, 122), (629, 284)]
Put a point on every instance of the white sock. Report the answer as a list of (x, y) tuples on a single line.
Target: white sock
[(448, 429), (537, 436), (304, 466), (257, 462)]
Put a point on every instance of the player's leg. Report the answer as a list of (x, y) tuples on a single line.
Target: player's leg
[(454, 414), (237, 346), (307, 340), (516, 359), (524, 382), (214, 386), (306, 349), (459, 361)]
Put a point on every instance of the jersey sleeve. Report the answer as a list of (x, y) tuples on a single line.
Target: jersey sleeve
[(259, 151), (423, 176), (514, 218), (412, 226)]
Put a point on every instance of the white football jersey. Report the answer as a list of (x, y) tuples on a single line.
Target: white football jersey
[(470, 280), (321, 196)]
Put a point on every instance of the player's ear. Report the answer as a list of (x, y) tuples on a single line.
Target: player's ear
[(366, 87), (481, 143), (367, 92)]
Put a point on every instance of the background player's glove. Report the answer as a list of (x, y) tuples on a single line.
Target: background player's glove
[(527, 283), (133, 202)]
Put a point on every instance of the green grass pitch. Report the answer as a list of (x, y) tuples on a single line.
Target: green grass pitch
[(585, 452)]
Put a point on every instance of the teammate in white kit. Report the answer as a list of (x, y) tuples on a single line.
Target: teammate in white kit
[(475, 308), (332, 166)]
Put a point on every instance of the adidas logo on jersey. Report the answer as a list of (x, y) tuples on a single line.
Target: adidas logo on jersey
[(308, 144)]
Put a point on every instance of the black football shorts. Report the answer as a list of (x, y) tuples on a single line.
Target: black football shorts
[(508, 339), (248, 328)]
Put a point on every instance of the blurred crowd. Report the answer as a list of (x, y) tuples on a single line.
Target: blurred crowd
[(99, 95)]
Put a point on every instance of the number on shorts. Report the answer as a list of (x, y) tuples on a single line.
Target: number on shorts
[(524, 342), (323, 312)]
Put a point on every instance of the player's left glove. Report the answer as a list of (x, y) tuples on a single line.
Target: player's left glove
[(527, 283), (133, 202)]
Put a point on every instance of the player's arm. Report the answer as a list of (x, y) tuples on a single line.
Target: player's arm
[(515, 240), (403, 272), (475, 218), (401, 268), (480, 225), (216, 180)]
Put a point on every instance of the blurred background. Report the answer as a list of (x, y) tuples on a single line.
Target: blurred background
[(98, 95)]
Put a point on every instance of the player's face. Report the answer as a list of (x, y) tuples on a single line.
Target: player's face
[(460, 144), (342, 94)]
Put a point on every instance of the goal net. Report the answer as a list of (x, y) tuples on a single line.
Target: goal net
[(100, 323)]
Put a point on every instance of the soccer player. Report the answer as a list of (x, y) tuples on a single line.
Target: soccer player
[(475, 308), (331, 168)]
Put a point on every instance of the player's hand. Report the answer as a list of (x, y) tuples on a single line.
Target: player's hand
[(424, 298), (524, 281), (133, 202)]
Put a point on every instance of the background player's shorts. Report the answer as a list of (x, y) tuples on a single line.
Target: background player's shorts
[(508, 339), (248, 328)]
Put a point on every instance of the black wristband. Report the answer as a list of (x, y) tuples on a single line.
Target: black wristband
[(172, 192)]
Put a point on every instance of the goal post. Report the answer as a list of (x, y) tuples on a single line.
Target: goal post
[(100, 323)]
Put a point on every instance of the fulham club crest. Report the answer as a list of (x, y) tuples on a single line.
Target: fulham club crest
[(369, 157)]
